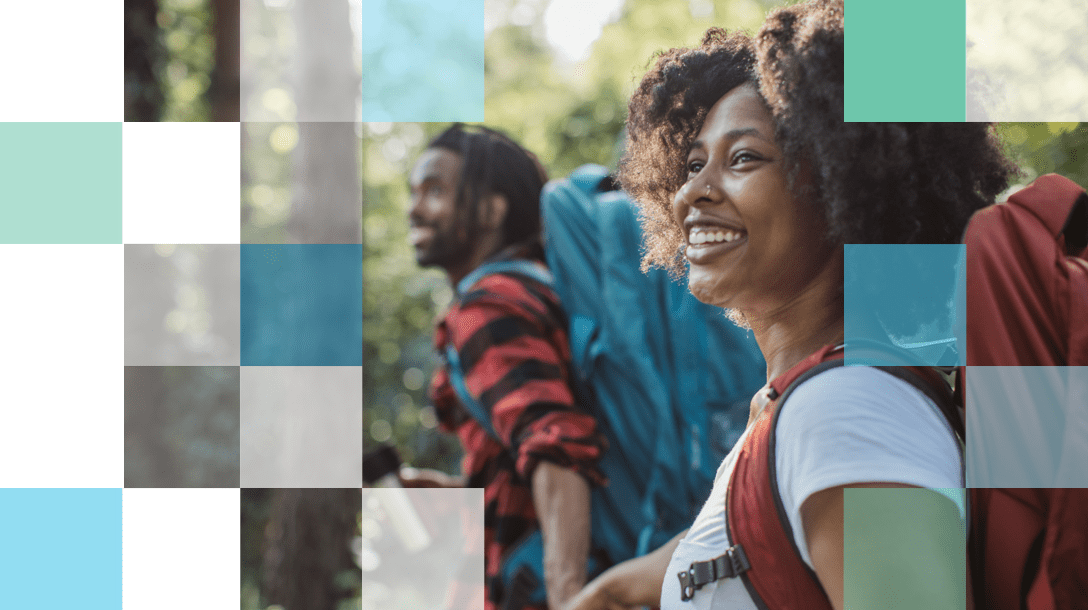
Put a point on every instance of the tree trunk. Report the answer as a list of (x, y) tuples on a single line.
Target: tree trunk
[(308, 548), (143, 94), (327, 199), (326, 83), (223, 94)]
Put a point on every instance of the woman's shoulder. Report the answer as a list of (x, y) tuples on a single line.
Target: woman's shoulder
[(862, 417), (857, 387), (857, 424)]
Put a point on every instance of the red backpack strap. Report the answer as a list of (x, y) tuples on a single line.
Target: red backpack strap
[(779, 384), (778, 577)]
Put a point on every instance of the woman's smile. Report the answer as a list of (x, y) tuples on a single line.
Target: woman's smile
[(750, 243), (707, 241)]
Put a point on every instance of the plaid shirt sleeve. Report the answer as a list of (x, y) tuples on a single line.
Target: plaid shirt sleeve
[(515, 354)]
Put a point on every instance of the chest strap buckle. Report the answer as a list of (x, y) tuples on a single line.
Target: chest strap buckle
[(733, 563)]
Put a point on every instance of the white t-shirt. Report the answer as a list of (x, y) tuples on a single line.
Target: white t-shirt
[(846, 425)]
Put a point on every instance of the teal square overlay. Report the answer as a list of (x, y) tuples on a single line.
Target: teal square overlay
[(423, 60), (904, 304), (302, 305), (60, 183), (905, 61)]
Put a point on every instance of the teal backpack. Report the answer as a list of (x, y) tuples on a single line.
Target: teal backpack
[(668, 378)]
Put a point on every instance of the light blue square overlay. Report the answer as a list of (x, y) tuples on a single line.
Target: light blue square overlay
[(1027, 426), (423, 60), (60, 549), (904, 304), (302, 305)]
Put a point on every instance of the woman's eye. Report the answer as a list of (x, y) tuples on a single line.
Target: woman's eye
[(694, 167), (744, 156)]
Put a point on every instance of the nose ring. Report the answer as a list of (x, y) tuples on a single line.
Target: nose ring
[(708, 190)]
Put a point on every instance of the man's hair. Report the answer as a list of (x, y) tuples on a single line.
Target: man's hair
[(493, 164), (873, 183)]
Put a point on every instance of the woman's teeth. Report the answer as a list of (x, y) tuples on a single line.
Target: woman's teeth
[(705, 237)]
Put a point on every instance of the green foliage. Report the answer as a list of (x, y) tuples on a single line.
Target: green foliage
[(399, 303), (186, 33), (573, 114), (266, 182), (1043, 148)]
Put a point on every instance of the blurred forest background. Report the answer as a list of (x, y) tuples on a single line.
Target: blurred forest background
[(181, 426), (302, 60), (408, 533), (181, 60), (301, 549), (181, 304), (569, 111), (301, 144), (291, 71)]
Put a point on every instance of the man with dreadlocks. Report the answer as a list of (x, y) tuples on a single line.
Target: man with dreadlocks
[(476, 200)]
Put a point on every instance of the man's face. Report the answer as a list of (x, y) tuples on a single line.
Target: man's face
[(436, 232)]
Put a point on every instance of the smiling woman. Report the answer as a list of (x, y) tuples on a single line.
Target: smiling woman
[(738, 188), (744, 168)]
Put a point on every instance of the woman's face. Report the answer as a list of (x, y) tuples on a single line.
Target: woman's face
[(751, 244)]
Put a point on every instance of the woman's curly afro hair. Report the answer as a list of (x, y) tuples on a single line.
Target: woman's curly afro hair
[(664, 116), (875, 183), (878, 183)]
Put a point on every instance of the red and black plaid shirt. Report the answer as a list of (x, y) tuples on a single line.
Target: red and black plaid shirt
[(512, 343)]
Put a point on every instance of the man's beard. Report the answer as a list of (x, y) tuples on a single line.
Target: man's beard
[(445, 250)]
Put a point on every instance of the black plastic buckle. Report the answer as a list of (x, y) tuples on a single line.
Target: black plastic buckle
[(738, 560), (687, 586), (733, 563)]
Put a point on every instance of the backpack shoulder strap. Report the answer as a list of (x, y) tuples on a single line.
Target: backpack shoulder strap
[(457, 379), (778, 577), (522, 267), (519, 267)]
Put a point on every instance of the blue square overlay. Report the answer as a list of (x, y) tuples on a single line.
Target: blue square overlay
[(302, 305), (904, 304)]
